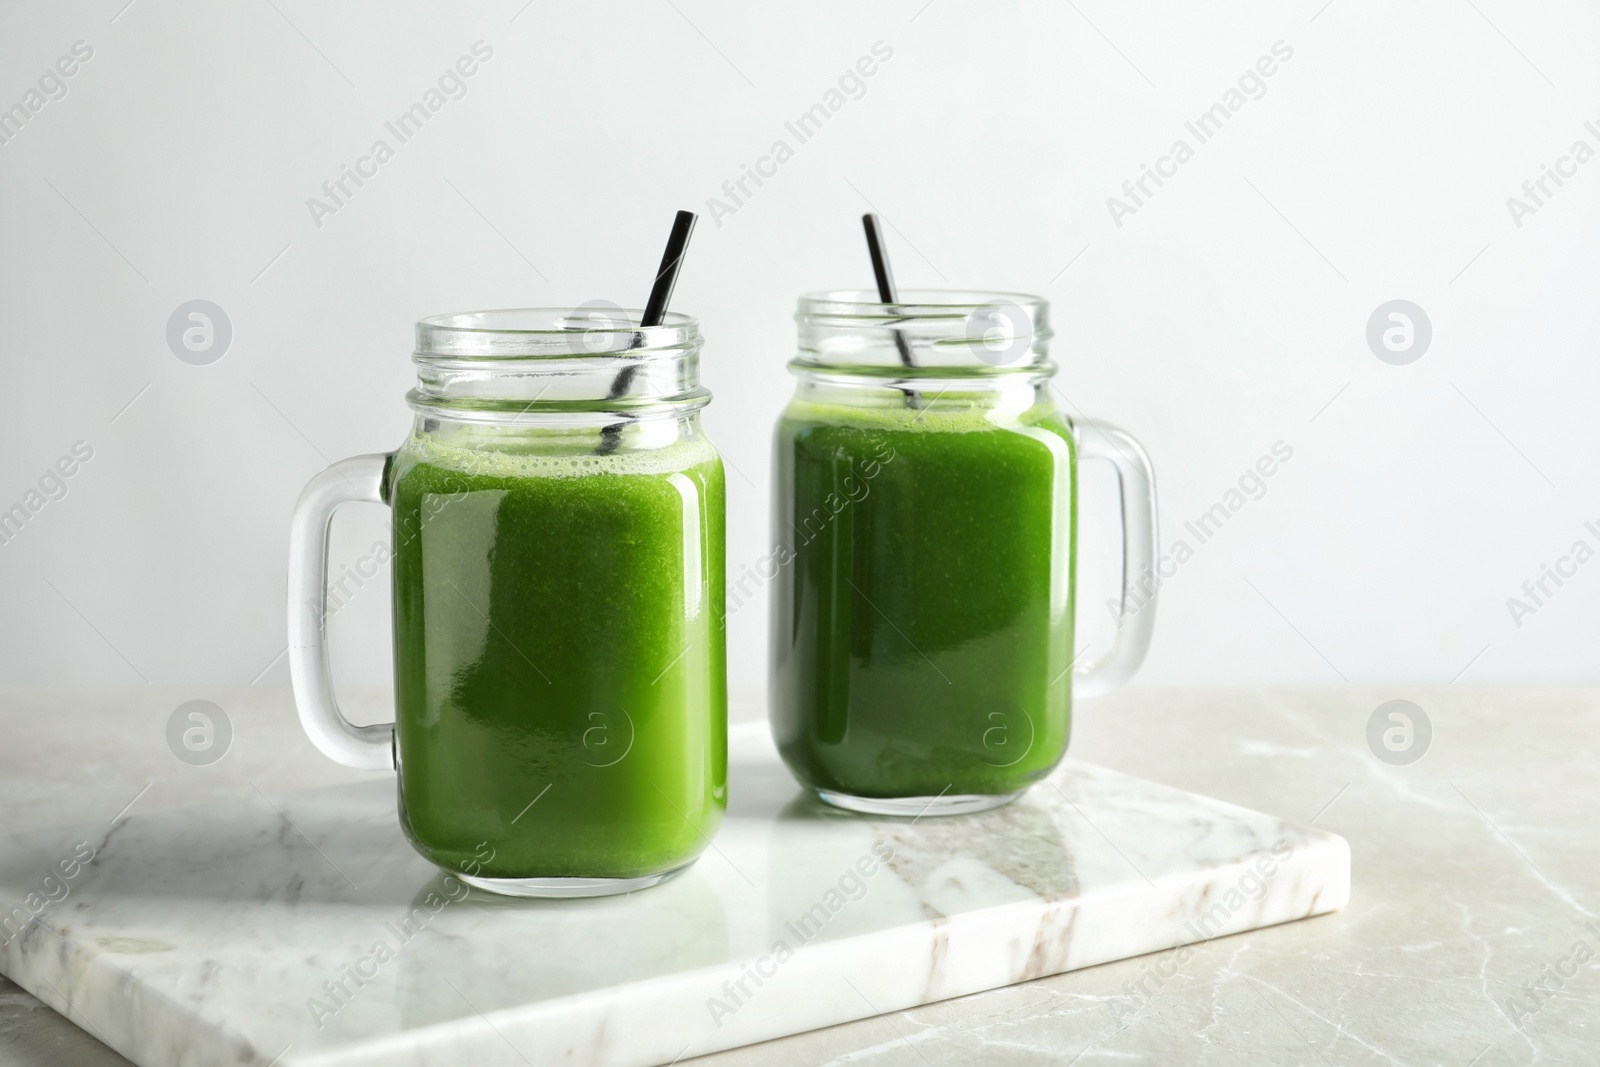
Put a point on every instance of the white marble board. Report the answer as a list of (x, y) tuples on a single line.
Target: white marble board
[(249, 934)]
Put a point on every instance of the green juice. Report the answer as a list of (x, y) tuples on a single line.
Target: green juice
[(923, 627), (559, 660)]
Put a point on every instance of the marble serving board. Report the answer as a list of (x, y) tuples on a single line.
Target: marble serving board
[(303, 930)]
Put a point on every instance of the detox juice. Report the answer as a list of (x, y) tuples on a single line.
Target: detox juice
[(560, 676), (923, 625)]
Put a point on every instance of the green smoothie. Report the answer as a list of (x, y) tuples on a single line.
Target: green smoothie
[(560, 671), (923, 628)]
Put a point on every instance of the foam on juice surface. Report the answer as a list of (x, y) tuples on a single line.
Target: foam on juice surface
[(941, 416), (483, 458)]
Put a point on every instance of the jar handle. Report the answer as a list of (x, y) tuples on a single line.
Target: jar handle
[(1136, 611), (367, 748)]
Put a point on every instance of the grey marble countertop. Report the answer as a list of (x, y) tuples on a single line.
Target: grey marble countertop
[(1472, 936)]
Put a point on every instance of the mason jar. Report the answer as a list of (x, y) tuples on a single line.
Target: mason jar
[(557, 554), (926, 499)]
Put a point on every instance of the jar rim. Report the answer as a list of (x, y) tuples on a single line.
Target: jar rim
[(927, 333), (510, 363), (914, 303), (595, 329)]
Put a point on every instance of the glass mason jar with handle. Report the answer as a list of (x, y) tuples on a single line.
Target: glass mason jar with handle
[(923, 659), (560, 671)]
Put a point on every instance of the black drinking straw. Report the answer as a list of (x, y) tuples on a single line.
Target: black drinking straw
[(655, 311), (885, 278)]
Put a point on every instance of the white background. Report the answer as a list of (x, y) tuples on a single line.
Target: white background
[(1229, 313)]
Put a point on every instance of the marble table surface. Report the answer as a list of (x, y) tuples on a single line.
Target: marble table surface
[(1471, 936)]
